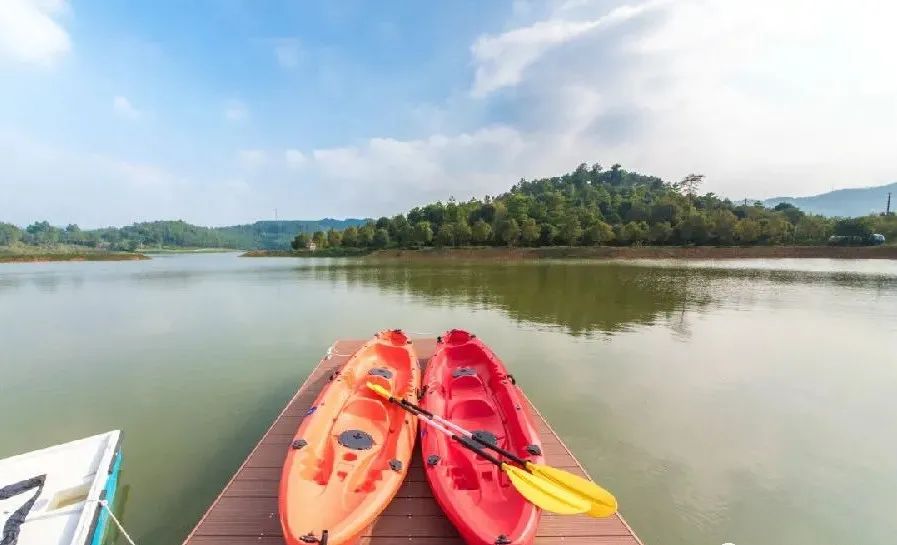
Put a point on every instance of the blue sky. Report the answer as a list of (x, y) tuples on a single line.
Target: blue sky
[(217, 112)]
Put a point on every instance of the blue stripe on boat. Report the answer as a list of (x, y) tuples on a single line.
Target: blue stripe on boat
[(109, 495)]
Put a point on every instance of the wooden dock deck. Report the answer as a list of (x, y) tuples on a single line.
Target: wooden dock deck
[(245, 513)]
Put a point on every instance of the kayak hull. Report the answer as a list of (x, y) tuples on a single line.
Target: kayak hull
[(468, 384), (352, 450)]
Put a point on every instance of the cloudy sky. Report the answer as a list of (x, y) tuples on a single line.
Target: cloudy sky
[(220, 111)]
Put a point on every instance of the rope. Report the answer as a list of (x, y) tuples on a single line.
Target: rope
[(422, 333), (117, 523)]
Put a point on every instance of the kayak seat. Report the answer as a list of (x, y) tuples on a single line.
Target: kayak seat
[(466, 385), (474, 410)]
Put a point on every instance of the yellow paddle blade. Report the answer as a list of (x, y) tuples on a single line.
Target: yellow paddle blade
[(544, 493), (380, 390), (603, 503)]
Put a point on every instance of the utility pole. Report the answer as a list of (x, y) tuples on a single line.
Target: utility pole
[(888, 208)]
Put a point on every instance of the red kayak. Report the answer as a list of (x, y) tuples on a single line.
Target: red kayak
[(467, 384)]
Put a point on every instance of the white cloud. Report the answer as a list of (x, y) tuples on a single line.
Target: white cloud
[(30, 33), (501, 60), (288, 52), (95, 190), (252, 158), (386, 176), (123, 107), (791, 100), (294, 158), (236, 111)]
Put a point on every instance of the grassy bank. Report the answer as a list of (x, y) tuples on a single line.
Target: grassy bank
[(644, 252), (326, 252), (40, 257)]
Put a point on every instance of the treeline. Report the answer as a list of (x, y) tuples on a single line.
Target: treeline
[(166, 234), (594, 206), (130, 238)]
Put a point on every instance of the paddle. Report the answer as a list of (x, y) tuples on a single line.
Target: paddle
[(539, 491), (601, 502)]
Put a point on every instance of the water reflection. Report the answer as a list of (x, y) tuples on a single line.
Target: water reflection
[(588, 297), (581, 299)]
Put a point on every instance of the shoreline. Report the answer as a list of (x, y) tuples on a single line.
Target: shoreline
[(326, 252), (84, 256), (493, 253)]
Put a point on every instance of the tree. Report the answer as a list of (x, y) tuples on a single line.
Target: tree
[(598, 233), (775, 230), (445, 235), (350, 237), (689, 185), (529, 231), (481, 232), (635, 232), (694, 228), (855, 227), (320, 239), (569, 231), (548, 234), (423, 233), (381, 238), (44, 233), (9, 234), (509, 231), (366, 235), (660, 233), (382, 223), (791, 212), (463, 233), (334, 238), (300, 242), (812, 229), (747, 231), (723, 226)]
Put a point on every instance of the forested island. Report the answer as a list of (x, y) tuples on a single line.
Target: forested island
[(592, 206)]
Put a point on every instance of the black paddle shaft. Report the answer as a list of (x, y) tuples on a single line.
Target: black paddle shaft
[(466, 442), (507, 454)]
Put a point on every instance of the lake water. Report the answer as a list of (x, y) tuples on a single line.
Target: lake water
[(752, 402)]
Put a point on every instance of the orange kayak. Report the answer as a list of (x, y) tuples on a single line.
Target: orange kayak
[(352, 450)]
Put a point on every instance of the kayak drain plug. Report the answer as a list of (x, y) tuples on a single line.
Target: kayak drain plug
[(432, 460), (395, 465), (535, 450), (356, 440), (502, 540), (298, 443)]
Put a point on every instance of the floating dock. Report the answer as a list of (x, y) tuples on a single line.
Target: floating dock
[(245, 512)]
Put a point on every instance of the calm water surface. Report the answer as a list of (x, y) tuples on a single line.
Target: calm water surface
[(745, 401)]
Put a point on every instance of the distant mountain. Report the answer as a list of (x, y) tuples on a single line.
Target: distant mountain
[(844, 202)]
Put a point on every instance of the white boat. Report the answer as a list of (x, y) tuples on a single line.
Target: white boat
[(53, 496)]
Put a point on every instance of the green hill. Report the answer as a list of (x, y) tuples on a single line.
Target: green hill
[(596, 206)]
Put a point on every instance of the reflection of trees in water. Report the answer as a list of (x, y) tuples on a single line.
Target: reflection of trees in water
[(583, 298), (586, 297)]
